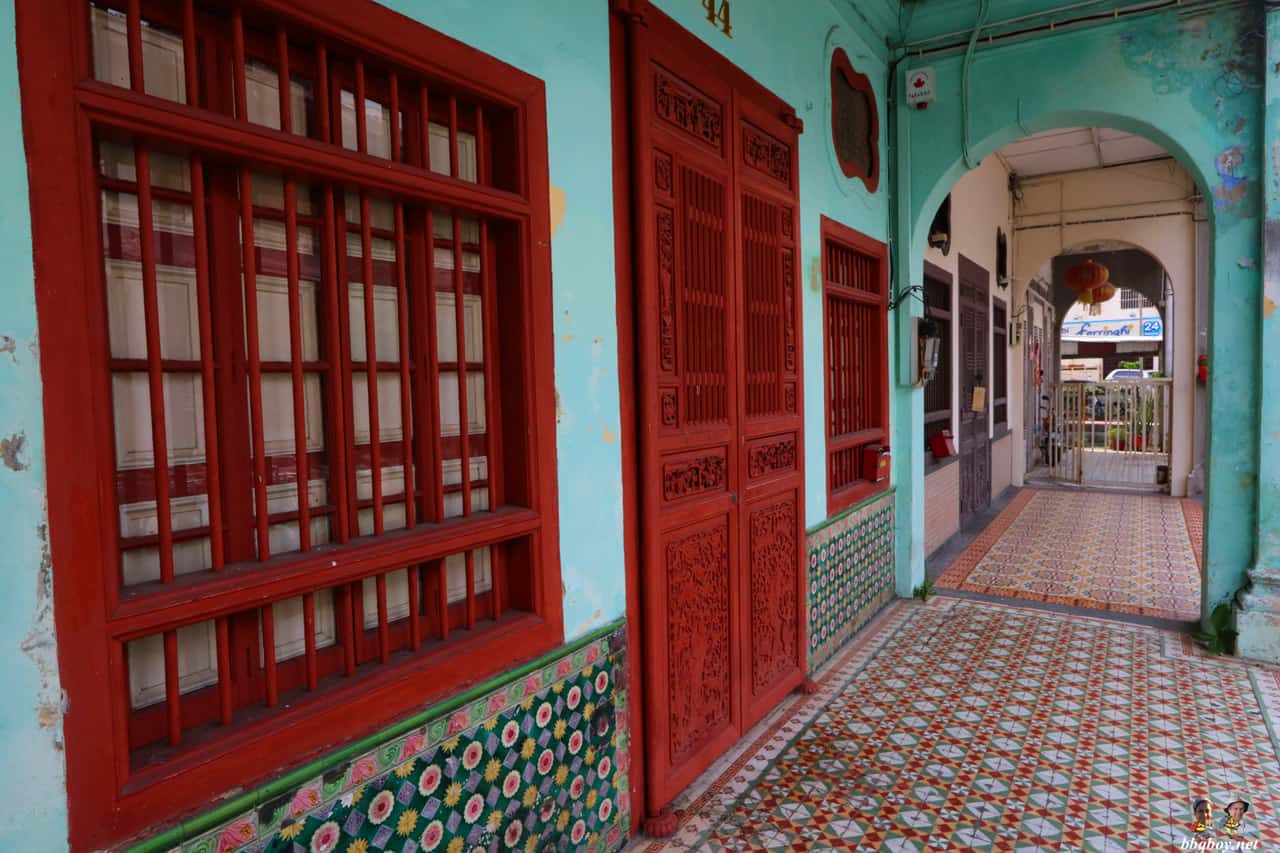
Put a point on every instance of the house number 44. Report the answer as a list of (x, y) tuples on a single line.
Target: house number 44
[(718, 15)]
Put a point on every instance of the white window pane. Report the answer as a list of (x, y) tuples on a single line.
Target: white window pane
[(397, 598), (377, 126), (197, 663), (177, 307), (447, 327), (163, 68), (449, 404), (456, 572), (274, 333), (393, 518), (386, 319), (184, 419), (262, 87), (116, 160), (290, 625), (440, 154), (390, 425)]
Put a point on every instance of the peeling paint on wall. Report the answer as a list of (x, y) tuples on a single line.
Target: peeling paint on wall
[(7, 344), (40, 645), (558, 203), (1217, 67), (11, 450)]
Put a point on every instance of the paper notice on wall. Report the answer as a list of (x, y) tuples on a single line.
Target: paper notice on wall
[(979, 399)]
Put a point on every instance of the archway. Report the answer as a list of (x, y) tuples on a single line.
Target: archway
[(1168, 99)]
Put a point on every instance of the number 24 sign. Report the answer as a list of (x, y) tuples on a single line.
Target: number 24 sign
[(718, 15)]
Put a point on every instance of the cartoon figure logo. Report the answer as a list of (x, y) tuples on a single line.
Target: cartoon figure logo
[(1234, 822), (1204, 814)]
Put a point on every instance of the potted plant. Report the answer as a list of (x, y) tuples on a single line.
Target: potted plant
[(1117, 438)]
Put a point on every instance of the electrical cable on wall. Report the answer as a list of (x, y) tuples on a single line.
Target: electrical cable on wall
[(964, 81)]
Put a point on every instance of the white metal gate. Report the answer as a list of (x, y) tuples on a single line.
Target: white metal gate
[(1111, 433)]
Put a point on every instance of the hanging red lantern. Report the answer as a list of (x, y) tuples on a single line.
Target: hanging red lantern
[(1086, 275), (1104, 292)]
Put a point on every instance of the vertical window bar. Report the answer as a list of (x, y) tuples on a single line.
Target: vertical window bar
[(255, 363), (406, 401), (453, 136), (224, 671), (424, 107), (173, 696), (362, 130), (322, 92), (342, 603), (309, 637), (286, 99), (337, 465), (384, 645), (189, 51), (237, 50), (155, 371), (430, 349), (371, 362), (413, 576), (459, 304), (482, 167), (212, 465), (301, 461), (471, 590), (269, 655), (395, 117), (489, 322), (442, 577), (133, 26)]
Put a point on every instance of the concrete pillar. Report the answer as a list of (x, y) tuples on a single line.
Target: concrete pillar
[(1258, 617)]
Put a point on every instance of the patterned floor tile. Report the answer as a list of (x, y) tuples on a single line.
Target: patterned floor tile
[(1124, 553), (966, 725)]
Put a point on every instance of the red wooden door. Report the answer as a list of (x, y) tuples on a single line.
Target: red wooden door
[(718, 330)]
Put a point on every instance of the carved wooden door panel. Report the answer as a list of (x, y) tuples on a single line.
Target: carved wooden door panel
[(718, 363), (975, 445)]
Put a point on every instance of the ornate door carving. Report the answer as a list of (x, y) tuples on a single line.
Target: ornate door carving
[(719, 375)]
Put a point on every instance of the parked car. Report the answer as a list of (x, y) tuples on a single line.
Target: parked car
[(1127, 373)]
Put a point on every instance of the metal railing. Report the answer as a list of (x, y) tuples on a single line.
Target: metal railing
[(1114, 433)]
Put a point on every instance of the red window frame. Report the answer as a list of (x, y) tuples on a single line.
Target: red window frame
[(64, 109), (865, 385)]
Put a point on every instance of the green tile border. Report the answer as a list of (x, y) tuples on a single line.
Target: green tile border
[(182, 832)]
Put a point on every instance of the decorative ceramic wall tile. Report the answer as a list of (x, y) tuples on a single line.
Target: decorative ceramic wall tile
[(850, 576), (538, 764)]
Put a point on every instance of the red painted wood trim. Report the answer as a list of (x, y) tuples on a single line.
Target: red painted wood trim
[(628, 423), (57, 116)]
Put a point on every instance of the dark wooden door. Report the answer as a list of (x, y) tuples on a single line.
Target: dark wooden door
[(718, 365), (975, 444)]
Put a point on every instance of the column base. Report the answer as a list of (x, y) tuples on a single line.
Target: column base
[(1258, 617)]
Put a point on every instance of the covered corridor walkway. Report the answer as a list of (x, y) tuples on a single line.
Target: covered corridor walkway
[(972, 725)]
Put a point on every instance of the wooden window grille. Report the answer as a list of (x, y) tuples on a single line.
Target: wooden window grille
[(937, 393), (319, 326), (999, 364), (855, 292)]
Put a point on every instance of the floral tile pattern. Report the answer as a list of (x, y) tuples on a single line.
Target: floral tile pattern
[(850, 576), (538, 764), (1124, 553), (987, 727)]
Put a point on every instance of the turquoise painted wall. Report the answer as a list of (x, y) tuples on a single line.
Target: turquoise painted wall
[(31, 704), (1188, 80), (789, 51), (565, 43)]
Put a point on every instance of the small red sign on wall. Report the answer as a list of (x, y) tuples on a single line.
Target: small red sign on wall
[(875, 463)]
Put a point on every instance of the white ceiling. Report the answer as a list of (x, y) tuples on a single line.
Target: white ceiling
[(1074, 148)]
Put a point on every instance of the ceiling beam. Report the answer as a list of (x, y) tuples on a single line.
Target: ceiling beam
[(1097, 146)]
